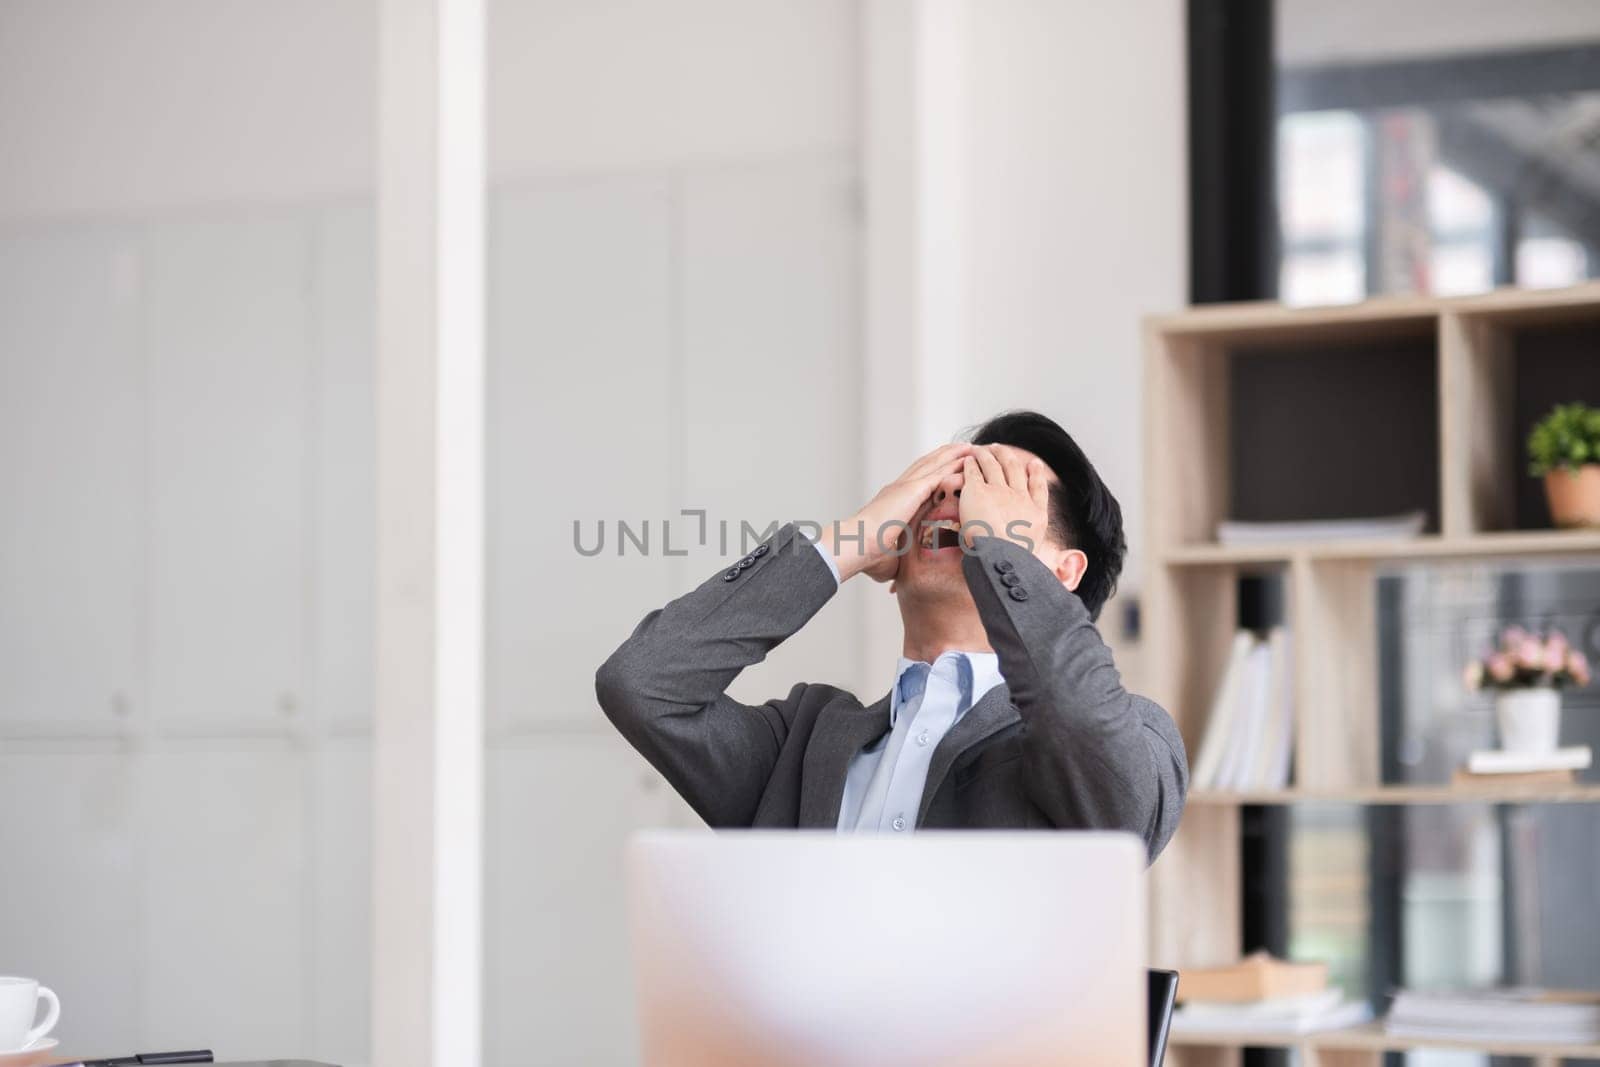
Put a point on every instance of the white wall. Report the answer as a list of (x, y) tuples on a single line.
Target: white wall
[(1053, 219), (158, 105), (625, 85), (1079, 220)]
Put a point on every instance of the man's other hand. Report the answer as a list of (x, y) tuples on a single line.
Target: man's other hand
[(1005, 492), (874, 539)]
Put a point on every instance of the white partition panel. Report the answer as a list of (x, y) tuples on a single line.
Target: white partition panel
[(186, 445), (73, 894), (338, 987), (583, 413), (772, 413), (227, 338), (71, 464), (559, 978), (225, 933), (659, 342), (343, 443)]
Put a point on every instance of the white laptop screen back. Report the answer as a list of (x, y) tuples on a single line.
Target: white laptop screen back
[(940, 950)]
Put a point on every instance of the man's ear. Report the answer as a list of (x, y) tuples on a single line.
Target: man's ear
[(1071, 567)]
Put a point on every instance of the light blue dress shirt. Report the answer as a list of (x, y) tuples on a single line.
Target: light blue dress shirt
[(883, 786)]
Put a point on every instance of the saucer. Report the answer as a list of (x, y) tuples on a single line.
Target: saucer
[(36, 1053)]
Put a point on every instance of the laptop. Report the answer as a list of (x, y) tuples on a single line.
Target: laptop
[(783, 949)]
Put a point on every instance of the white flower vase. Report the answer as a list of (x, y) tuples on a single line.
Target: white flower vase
[(1530, 719)]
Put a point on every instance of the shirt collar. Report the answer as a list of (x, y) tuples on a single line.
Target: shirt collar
[(976, 674)]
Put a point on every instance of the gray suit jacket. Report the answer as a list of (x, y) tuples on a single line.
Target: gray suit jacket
[(1061, 745)]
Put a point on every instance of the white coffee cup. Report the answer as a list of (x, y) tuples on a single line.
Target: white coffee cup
[(19, 1004)]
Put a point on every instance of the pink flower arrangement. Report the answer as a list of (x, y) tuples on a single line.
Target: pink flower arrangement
[(1524, 660)]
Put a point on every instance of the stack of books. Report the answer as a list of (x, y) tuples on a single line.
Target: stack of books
[(1262, 995), (1249, 737), (1488, 1015), (1495, 766)]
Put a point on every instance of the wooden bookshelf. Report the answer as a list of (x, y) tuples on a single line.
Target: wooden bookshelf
[(1390, 405)]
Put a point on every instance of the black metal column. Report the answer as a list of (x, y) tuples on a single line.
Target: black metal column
[(1233, 255), (1233, 232)]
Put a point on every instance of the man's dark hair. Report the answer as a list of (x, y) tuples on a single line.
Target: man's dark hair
[(1083, 513)]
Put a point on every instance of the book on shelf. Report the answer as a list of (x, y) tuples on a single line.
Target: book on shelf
[(1273, 757), (1249, 736), (1258, 976), (1530, 779), (1495, 761), (1503, 1014), (1382, 528), (1248, 714), (1304, 1014), (1219, 726)]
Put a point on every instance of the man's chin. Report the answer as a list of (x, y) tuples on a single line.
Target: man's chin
[(932, 579)]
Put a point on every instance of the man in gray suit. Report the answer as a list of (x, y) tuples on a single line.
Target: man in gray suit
[(1007, 711)]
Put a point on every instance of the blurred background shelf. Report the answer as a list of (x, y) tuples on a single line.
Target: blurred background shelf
[(1405, 794), (1501, 544), (1259, 413), (1370, 1037)]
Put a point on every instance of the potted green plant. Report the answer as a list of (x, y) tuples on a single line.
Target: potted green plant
[(1527, 673), (1564, 450)]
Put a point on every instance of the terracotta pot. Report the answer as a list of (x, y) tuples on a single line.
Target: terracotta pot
[(1574, 495), (1530, 719)]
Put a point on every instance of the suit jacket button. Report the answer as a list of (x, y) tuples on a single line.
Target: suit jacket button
[(1004, 566), (731, 575), (1010, 579), (1018, 593), (761, 550), (746, 563)]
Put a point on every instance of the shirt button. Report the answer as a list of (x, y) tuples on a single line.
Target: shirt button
[(922, 738), (899, 823)]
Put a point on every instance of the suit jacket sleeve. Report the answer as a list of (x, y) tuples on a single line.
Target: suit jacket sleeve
[(664, 688), (1094, 754)]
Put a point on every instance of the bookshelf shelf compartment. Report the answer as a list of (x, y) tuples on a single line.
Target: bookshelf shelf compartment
[(1504, 368)]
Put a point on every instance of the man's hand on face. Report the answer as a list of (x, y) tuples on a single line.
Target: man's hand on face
[(1005, 493), (884, 521)]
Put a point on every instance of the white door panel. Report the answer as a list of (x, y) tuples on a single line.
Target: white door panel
[(341, 885), (228, 344), (71, 448), (771, 327), (223, 963), (559, 981), (345, 442), (72, 890), (581, 412)]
